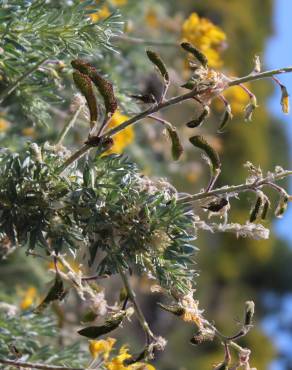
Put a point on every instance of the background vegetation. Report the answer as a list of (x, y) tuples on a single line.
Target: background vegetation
[(231, 270)]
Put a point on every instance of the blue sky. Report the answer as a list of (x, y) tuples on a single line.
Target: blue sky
[(278, 54)]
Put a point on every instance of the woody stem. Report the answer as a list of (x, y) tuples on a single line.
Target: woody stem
[(31, 365), (235, 188), (138, 311), (153, 109), (259, 76)]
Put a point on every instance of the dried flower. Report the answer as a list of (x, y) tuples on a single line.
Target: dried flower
[(249, 109), (284, 99)]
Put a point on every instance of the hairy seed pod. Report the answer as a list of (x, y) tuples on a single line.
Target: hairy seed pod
[(158, 62), (256, 210), (84, 85), (284, 99), (227, 116), (249, 313), (195, 52), (176, 147), (111, 324), (282, 206), (217, 205), (266, 207), (200, 120), (176, 310), (56, 293), (104, 87), (146, 98), (249, 109), (95, 141), (199, 142), (189, 85)]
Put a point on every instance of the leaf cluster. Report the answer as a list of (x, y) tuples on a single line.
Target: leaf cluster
[(31, 337), (36, 31), (111, 208)]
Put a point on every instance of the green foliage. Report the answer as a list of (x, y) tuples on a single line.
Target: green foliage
[(35, 37), (34, 338), (30, 196), (111, 208), (137, 220)]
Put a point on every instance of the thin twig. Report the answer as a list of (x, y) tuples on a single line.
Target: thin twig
[(162, 105), (139, 41), (69, 124), (139, 313), (31, 365), (94, 277), (235, 188), (153, 109), (259, 76)]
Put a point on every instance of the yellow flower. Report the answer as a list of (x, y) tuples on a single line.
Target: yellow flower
[(102, 13), (29, 298), (151, 18), (119, 2), (206, 36), (29, 131), (101, 347), (124, 137), (4, 124), (117, 363), (141, 366)]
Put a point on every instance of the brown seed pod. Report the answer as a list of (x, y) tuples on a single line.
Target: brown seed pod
[(176, 310), (284, 99), (217, 205), (84, 85), (56, 293), (200, 120), (104, 87), (111, 324), (227, 116), (146, 98), (266, 208), (176, 147), (158, 62), (282, 206), (256, 210), (199, 142), (195, 52)]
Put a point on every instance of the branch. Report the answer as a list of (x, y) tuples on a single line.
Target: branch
[(137, 308), (236, 188), (162, 105), (139, 41), (69, 124), (153, 109), (31, 365), (259, 76)]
